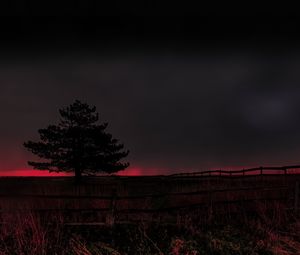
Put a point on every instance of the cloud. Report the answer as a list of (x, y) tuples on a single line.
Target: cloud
[(174, 111)]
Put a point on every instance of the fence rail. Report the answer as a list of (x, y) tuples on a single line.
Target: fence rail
[(278, 191), (120, 197), (261, 170)]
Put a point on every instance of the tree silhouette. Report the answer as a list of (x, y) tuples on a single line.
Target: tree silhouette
[(78, 144)]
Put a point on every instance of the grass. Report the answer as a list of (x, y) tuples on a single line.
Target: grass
[(229, 228), (269, 230)]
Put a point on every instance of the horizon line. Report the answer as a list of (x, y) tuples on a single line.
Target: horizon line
[(140, 172)]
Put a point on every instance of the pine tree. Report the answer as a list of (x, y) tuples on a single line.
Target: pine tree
[(78, 144)]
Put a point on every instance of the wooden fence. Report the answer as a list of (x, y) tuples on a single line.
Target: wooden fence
[(250, 171), (113, 212), (118, 208)]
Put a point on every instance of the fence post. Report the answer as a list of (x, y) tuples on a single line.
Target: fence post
[(110, 218), (296, 201)]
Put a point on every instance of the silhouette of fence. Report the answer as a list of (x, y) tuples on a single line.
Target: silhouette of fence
[(257, 170), (117, 207), (112, 212)]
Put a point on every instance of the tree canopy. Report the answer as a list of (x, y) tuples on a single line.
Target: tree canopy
[(78, 144)]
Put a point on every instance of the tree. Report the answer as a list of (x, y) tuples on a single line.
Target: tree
[(78, 144)]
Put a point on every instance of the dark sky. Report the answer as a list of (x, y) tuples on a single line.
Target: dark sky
[(182, 93)]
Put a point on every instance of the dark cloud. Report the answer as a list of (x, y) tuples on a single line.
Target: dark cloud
[(182, 93), (173, 110)]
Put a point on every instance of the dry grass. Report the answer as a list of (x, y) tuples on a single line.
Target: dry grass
[(271, 230), (214, 229)]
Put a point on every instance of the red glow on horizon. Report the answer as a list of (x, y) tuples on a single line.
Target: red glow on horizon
[(131, 172), (134, 171)]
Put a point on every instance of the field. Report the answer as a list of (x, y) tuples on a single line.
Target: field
[(253, 214)]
